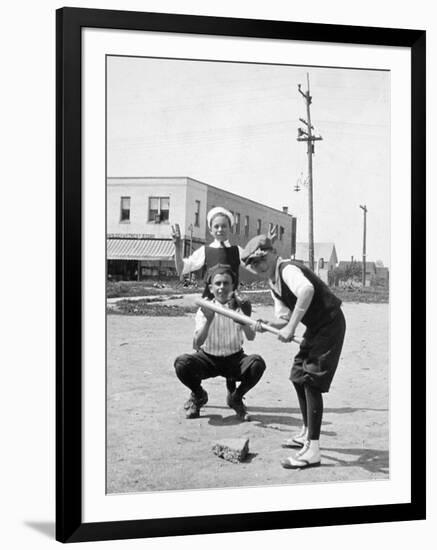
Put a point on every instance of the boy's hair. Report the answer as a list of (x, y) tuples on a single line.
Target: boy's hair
[(220, 269), (219, 211)]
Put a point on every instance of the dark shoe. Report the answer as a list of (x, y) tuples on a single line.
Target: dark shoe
[(203, 400), (236, 402), (194, 404)]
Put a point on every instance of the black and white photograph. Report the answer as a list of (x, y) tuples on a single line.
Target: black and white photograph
[(218, 275), (261, 190), (240, 301)]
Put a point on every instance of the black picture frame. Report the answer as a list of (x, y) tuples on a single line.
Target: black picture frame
[(69, 524)]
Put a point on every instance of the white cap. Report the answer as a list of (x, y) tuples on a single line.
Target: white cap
[(219, 210)]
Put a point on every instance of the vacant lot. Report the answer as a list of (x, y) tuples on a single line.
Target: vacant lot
[(152, 447)]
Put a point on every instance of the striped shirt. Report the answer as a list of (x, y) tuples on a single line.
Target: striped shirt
[(225, 337)]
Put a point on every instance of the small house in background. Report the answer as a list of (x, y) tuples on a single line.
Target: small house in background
[(325, 258)]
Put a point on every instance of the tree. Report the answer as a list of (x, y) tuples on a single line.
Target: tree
[(347, 272)]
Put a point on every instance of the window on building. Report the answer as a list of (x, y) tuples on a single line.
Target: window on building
[(125, 209), (197, 214), (270, 228), (237, 223), (159, 208), (281, 233), (246, 226), (233, 215), (258, 227)]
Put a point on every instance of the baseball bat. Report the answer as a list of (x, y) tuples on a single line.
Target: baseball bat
[(235, 316)]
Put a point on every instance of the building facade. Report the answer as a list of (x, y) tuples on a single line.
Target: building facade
[(142, 211)]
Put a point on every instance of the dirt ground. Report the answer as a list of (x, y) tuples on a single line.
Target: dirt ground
[(152, 447)]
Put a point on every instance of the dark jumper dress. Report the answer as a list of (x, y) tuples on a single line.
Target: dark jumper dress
[(229, 255)]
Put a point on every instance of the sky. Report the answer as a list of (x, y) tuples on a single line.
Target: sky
[(234, 126)]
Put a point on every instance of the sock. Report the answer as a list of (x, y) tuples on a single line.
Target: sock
[(314, 445)]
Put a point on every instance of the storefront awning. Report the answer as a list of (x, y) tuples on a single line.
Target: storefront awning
[(139, 249)]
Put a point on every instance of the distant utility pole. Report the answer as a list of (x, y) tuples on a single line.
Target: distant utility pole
[(308, 136), (190, 227), (364, 209)]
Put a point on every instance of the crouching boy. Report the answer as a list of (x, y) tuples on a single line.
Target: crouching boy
[(218, 341)]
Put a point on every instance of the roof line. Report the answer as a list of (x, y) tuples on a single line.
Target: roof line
[(203, 183)]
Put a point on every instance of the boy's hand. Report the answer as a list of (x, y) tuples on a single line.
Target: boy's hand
[(209, 314), (176, 234), (259, 327), (273, 234), (286, 334)]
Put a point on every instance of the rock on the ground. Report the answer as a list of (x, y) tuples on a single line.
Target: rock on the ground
[(233, 450)]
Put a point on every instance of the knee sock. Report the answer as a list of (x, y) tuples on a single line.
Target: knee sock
[(300, 390), (314, 401)]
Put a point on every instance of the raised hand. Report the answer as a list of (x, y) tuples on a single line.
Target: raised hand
[(176, 234), (273, 234)]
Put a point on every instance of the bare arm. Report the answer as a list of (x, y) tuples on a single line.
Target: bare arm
[(178, 258), (303, 302), (249, 331), (201, 334)]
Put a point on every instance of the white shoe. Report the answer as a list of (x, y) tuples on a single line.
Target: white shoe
[(297, 440), (305, 458), (304, 449)]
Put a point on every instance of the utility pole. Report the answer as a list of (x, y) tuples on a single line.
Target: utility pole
[(364, 209), (308, 136), (190, 227)]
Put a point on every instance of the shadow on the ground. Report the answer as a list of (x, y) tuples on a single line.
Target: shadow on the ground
[(219, 420), (250, 457), (371, 460), (47, 528), (282, 416), (289, 410)]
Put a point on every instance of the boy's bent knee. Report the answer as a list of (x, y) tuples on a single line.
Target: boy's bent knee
[(182, 362), (257, 363)]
